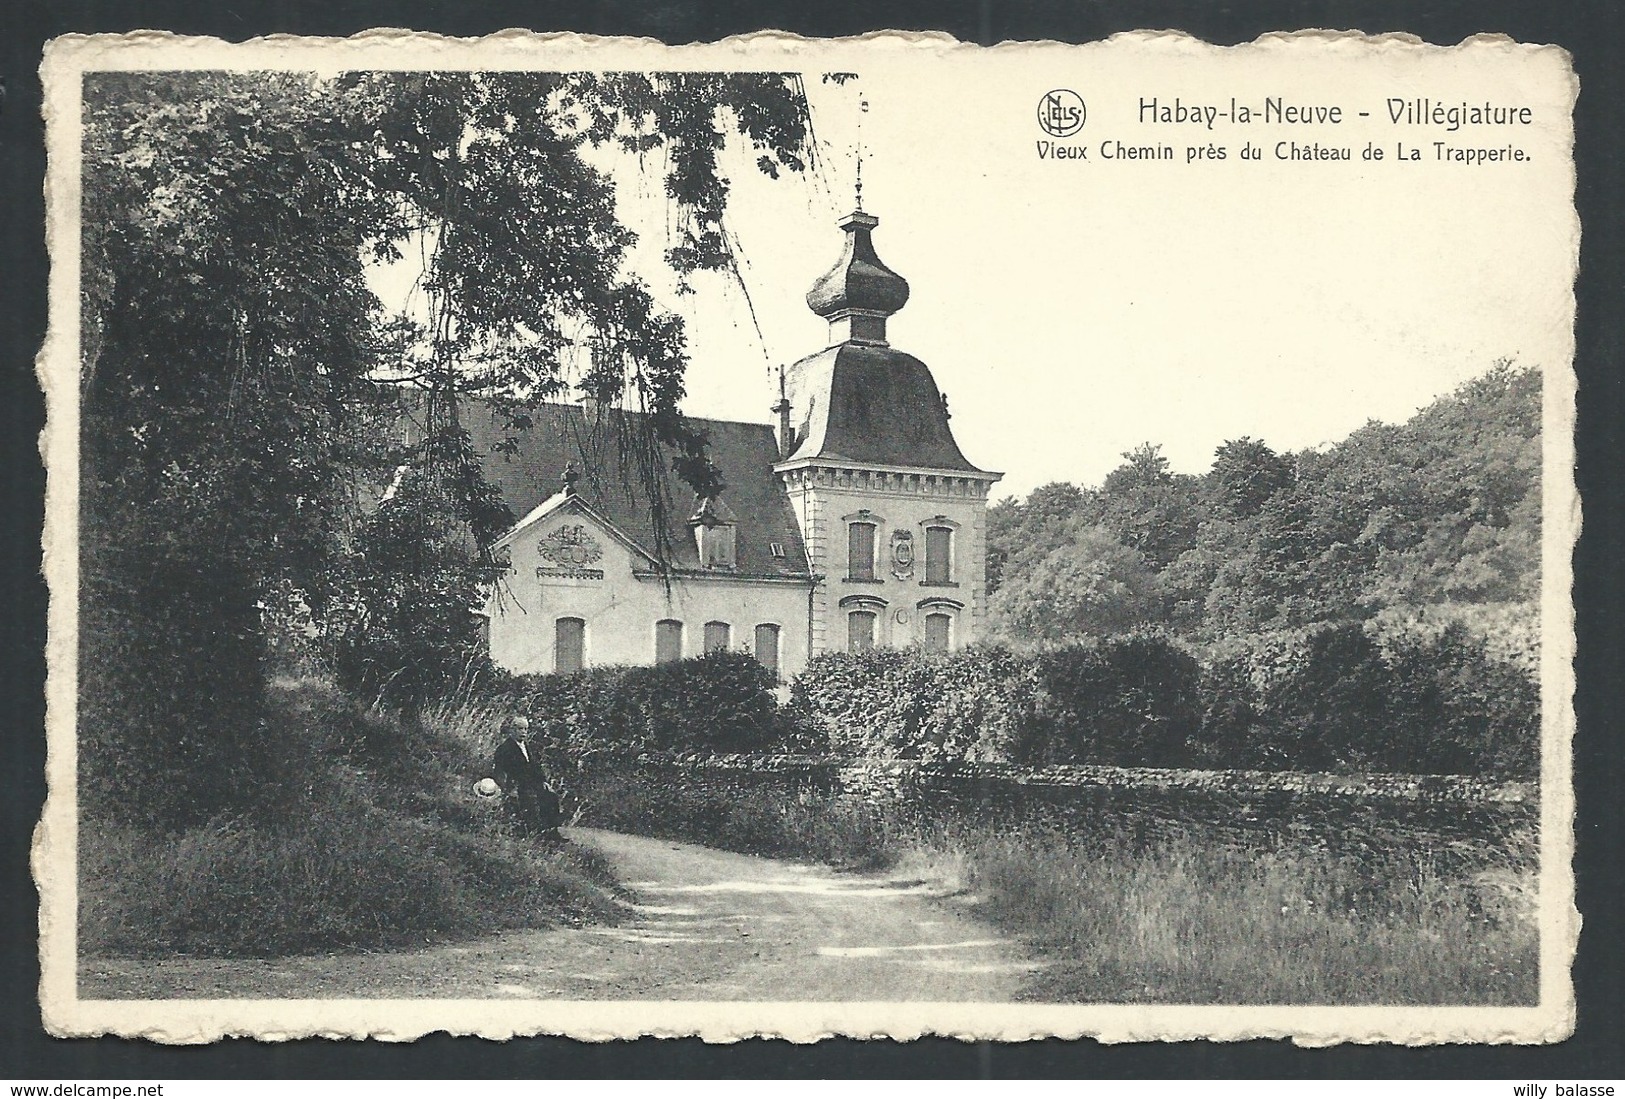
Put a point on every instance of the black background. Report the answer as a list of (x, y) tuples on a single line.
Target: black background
[(1590, 32)]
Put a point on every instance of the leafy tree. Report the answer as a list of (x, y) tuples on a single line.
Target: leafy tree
[(235, 429), (1442, 511), (1149, 507), (1245, 474), (1089, 586), (1024, 531), (227, 407), (525, 263), (1477, 461)]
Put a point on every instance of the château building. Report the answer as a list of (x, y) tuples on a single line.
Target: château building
[(852, 522)]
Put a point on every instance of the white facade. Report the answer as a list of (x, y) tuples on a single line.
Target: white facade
[(912, 513), (857, 524), (569, 565)]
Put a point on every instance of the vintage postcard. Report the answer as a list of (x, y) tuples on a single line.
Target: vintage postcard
[(877, 537)]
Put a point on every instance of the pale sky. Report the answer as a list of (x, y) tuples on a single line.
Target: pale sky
[(1074, 310)]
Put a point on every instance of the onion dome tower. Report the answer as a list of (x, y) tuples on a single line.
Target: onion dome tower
[(891, 511), (860, 399), (859, 292)]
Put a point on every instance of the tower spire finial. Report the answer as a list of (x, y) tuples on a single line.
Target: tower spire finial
[(863, 109)]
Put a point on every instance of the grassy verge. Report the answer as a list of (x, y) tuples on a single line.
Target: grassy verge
[(807, 825), (1183, 922), (1175, 919), (379, 843)]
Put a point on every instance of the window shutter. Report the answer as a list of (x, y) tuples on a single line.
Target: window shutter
[(860, 551), (717, 637), (860, 631), (938, 552), (767, 647), (569, 644), (668, 641)]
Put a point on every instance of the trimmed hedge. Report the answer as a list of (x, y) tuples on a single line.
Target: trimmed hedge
[(721, 702), (1334, 698), (1328, 698), (976, 704)]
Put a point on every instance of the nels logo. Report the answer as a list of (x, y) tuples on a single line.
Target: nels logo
[(1061, 112)]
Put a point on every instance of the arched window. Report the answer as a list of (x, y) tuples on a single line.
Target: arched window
[(569, 645), (717, 636), (767, 646), (860, 631), (938, 632), (668, 641), (939, 543), (860, 551)]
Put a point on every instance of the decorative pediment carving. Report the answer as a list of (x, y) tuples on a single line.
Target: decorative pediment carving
[(568, 550)]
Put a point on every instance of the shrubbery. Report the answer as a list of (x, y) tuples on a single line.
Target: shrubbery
[(721, 702), (347, 829), (1335, 698), (1340, 697), (164, 708), (1132, 701), (975, 704), (1327, 698)]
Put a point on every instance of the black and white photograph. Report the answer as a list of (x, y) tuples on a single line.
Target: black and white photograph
[(874, 537)]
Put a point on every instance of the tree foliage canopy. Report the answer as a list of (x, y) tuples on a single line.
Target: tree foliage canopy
[(1439, 515), (239, 428)]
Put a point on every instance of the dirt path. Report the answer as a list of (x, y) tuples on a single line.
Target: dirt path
[(709, 925)]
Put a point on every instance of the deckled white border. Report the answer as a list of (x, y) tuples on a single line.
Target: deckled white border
[(192, 1021)]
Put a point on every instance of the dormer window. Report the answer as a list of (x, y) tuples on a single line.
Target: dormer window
[(714, 534), (717, 547)]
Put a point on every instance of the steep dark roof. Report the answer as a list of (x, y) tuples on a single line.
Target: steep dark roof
[(560, 434), (871, 403)]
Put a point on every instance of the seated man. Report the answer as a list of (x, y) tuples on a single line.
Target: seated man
[(530, 794)]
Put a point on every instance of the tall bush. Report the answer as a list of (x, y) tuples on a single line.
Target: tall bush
[(1461, 711), (976, 704), (1331, 710), (1132, 701), (720, 702), (1347, 696)]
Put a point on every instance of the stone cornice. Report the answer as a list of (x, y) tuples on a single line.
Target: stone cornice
[(865, 467)]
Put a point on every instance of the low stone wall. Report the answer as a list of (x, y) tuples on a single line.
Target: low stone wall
[(877, 775), (1255, 809)]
